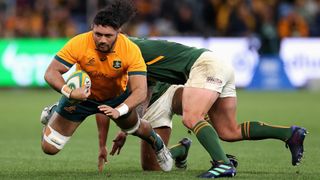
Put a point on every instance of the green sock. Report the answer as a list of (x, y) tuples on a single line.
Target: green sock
[(154, 140), (209, 139), (260, 130), (177, 150)]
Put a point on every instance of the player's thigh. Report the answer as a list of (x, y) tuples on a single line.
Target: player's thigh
[(198, 99), (206, 82), (62, 125), (196, 102), (223, 118), (148, 157)]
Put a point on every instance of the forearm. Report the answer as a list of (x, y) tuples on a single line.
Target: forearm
[(53, 75), (55, 80), (136, 97), (137, 84), (103, 124), (141, 109)]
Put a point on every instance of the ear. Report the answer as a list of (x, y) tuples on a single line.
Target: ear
[(118, 30)]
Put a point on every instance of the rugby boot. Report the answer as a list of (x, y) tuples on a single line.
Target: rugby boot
[(233, 159), (47, 113), (181, 162), (295, 144), (164, 159), (219, 170)]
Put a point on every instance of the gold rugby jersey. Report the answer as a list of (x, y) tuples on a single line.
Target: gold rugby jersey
[(108, 71)]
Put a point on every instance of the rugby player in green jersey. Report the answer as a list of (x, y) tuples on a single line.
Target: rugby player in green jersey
[(166, 101)]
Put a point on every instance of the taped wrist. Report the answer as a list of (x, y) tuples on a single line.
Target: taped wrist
[(66, 91), (122, 109)]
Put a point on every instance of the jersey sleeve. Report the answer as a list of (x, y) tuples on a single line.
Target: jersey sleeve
[(69, 54), (137, 65)]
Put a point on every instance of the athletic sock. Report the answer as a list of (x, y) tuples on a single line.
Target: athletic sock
[(154, 140), (259, 130), (209, 139), (177, 150)]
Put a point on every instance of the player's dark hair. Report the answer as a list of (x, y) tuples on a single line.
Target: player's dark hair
[(115, 14)]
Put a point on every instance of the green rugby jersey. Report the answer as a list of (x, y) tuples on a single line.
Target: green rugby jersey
[(167, 61), (158, 90)]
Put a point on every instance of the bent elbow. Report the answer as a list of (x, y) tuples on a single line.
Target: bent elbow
[(46, 76)]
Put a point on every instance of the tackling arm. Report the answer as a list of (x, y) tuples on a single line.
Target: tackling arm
[(103, 123)]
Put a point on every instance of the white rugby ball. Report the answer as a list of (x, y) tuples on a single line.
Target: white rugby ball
[(78, 79)]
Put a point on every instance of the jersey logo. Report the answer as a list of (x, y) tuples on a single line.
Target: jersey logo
[(116, 64), (213, 80), (70, 109), (90, 62)]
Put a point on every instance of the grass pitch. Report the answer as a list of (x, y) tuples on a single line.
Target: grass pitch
[(21, 156)]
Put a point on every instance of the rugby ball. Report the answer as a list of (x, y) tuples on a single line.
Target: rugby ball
[(78, 79)]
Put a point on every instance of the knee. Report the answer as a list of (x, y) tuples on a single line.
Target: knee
[(191, 120), (48, 148), (229, 134), (52, 141)]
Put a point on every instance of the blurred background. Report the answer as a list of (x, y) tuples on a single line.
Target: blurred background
[(273, 44)]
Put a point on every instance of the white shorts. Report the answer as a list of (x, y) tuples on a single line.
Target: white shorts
[(160, 114), (209, 72)]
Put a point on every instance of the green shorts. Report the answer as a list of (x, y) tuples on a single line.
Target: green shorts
[(79, 111)]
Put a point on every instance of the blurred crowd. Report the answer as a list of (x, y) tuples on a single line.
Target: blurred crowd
[(269, 20)]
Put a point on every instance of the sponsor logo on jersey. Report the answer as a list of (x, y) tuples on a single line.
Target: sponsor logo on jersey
[(90, 62), (70, 109), (214, 80), (116, 64), (98, 75)]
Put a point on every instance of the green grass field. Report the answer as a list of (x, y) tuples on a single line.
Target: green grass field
[(21, 156)]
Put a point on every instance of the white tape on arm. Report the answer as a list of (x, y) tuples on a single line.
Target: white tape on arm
[(122, 109), (66, 91)]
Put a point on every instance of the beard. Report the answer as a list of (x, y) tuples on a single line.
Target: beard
[(105, 48)]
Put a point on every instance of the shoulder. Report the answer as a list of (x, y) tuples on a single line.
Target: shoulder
[(84, 37), (125, 41)]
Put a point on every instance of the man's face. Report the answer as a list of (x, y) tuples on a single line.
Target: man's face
[(104, 37)]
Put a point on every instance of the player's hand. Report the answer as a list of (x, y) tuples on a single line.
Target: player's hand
[(102, 158), (109, 111), (80, 94), (118, 143)]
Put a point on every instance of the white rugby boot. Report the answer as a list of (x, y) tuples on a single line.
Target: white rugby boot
[(47, 113), (164, 159)]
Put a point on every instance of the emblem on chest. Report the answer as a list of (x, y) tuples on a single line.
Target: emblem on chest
[(116, 64)]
